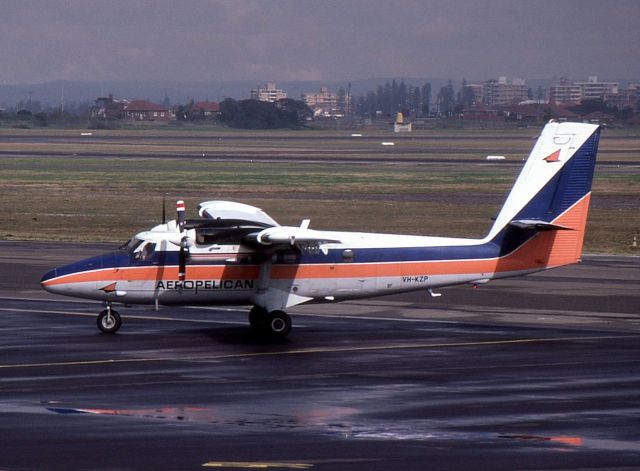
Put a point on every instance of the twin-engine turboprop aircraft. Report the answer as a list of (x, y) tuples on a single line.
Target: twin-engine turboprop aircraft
[(237, 254)]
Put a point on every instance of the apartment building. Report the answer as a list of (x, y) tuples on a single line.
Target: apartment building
[(504, 92), (592, 89), (565, 92), (324, 103), (268, 92)]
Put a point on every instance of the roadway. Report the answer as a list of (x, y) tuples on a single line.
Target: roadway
[(533, 373)]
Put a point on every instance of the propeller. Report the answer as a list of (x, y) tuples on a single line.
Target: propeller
[(182, 260), (184, 242)]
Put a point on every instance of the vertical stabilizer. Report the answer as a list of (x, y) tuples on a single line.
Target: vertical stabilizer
[(542, 223)]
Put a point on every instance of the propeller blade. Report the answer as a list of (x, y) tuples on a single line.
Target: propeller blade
[(164, 210), (182, 264)]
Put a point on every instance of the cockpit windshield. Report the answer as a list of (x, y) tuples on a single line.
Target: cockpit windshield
[(131, 245)]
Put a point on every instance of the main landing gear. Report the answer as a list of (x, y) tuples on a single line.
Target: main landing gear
[(109, 320), (276, 324)]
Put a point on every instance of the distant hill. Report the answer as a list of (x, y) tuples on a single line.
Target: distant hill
[(50, 94)]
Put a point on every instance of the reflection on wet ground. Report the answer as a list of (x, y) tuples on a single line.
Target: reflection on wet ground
[(342, 422)]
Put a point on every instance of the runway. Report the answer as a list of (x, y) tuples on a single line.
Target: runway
[(539, 372)]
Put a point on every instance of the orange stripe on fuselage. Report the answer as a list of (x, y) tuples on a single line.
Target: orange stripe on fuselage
[(150, 273)]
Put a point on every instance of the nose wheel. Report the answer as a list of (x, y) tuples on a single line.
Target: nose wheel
[(109, 321)]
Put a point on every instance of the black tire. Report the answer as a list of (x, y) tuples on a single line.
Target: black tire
[(278, 324), (109, 324), (257, 319)]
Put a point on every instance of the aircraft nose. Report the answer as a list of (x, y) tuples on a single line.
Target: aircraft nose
[(48, 276)]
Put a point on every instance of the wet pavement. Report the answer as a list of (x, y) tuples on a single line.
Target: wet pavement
[(480, 381)]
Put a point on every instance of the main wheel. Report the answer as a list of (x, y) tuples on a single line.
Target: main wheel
[(109, 322), (257, 318), (278, 324)]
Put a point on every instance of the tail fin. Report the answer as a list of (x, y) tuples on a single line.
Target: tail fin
[(542, 223)]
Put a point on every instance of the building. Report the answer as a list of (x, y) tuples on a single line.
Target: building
[(269, 93), (594, 90), (574, 93), (403, 122), (477, 90), (565, 93), (324, 103), (534, 112), (207, 109), (482, 112), (142, 110), (108, 107), (503, 92)]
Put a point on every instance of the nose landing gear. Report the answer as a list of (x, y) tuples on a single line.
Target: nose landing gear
[(109, 320)]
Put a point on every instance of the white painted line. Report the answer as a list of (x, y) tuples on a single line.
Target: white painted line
[(153, 318)]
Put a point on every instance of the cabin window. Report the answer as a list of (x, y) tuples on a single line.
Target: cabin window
[(289, 256), (347, 255)]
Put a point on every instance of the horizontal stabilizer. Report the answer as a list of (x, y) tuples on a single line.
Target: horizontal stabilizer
[(538, 225)]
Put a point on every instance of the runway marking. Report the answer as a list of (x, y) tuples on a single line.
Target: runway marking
[(309, 351), (371, 318), (154, 318), (256, 465)]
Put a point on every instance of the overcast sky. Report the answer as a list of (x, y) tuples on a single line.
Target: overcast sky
[(205, 40)]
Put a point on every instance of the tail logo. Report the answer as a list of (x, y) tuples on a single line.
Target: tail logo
[(555, 157)]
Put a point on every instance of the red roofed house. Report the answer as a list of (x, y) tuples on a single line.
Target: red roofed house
[(207, 108), (142, 110)]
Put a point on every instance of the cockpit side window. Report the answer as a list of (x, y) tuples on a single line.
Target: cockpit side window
[(145, 252)]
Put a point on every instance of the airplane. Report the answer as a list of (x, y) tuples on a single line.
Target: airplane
[(236, 254)]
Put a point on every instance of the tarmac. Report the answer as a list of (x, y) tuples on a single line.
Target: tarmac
[(539, 372)]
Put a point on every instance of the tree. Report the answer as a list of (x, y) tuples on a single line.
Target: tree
[(415, 100), (426, 99), (446, 102), (254, 114), (342, 101), (296, 112), (468, 97), (402, 98)]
